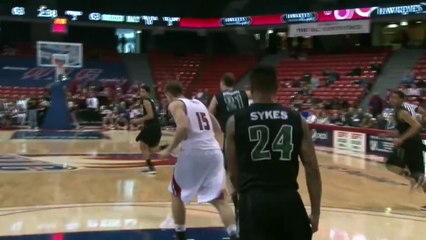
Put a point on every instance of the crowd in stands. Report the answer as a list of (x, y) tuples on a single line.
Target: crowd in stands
[(115, 104)]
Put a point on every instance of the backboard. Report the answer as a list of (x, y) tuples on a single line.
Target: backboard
[(50, 53)]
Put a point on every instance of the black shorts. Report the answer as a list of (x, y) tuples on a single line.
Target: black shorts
[(410, 156), (273, 215), (150, 135)]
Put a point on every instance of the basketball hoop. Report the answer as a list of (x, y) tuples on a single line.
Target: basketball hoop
[(60, 70)]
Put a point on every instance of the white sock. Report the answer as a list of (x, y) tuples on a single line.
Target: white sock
[(180, 228), (231, 230)]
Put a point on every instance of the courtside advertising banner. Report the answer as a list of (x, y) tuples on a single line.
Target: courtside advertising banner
[(329, 28), (322, 137), (351, 142), (379, 145)]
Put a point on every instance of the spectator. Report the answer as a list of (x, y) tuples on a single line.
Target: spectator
[(367, 121), (315, 82), (22, 103), (376, 104), (92, 102), (32, 107), (348, 116), (377, 67), (409, 77), (331, 76), (413, 91), (311, 118), (323, 118), (355, 72)]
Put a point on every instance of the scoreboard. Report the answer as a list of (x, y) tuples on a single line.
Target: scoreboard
[(60, 25)]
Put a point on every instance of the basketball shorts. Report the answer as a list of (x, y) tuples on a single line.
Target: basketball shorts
[(273, 215), (199, 173), (150, 135), (411, 157)]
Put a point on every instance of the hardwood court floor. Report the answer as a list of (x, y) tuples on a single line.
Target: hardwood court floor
[(96, 185)]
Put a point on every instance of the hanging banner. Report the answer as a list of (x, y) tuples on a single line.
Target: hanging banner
[(329, 28)]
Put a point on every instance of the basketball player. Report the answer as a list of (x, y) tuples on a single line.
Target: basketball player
[(150, 134), (408, 152), (223, 105), (200, 166), (263, 144)]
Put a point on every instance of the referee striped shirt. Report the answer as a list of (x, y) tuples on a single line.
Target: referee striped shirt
[(411, 108)]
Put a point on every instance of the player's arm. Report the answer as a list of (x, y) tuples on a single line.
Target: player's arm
[(415, 126), (216, 125), (313, 176), (177, 109), (213, 106), (420, 110), (149, 111), (231, 152)]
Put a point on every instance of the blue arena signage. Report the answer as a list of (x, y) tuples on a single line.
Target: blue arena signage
[(400, 10), (300, 17), (236, 21)]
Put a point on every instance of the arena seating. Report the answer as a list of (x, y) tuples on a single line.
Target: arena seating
[(215, 67), (197, 71), (420, 71), (15, 93), (167, 66), (290, 71)]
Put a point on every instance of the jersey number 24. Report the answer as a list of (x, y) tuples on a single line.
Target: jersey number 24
[(282, 142)]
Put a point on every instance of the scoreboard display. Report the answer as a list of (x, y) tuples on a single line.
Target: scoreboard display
[(60, 25)]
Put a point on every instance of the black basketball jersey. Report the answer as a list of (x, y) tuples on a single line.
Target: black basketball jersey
[(403, 127), (155, 119), (227, 103), (268, 140)]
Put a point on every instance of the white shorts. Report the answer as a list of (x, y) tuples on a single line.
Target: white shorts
[(200, 173)]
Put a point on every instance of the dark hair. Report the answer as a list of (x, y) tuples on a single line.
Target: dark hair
[(228, 79), (146, 88), (264, 79), (174, 88), (399, 93)]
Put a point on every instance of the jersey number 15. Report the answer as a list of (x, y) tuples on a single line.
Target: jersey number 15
[(282, 142), (203, 121)]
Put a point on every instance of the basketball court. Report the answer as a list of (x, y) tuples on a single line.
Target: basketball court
[(87, 185)]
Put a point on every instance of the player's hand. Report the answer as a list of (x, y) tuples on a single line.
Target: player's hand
[(314, 219), (398, 142)]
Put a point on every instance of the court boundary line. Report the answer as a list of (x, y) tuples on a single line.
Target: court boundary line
[(21, 210)]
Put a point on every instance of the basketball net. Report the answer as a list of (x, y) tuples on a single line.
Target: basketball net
[(60, 74)]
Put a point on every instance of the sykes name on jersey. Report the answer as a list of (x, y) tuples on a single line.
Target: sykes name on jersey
[(269, 115)]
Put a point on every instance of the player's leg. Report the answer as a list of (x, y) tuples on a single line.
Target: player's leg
[(415, 164), (396, 163), (179, 217), (187, 178), (229, 187), (144, 148), (227, 216), (212, 189)]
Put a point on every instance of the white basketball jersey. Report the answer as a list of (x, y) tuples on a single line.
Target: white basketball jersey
[(200, 133)]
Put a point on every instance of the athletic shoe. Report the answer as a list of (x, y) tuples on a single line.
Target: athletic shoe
[(150, 171), (419, 183), (162, 147)]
